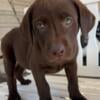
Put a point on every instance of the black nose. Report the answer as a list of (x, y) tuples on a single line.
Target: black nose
[(58, 50)]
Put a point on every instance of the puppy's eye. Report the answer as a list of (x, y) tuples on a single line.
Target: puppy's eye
[(41, 25), (67, 21)]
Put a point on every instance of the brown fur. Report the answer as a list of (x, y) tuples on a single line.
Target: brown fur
[(45, 43)]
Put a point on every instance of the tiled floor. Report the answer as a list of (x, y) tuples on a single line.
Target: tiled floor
[(89, 87)]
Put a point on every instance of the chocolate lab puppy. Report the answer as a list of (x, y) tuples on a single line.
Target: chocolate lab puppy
[(46, 42)]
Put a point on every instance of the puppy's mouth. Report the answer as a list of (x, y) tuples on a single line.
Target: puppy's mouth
[(57, 60), (60, 60)]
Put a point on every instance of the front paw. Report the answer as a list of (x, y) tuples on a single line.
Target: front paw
[(78, 98), (26, 82), (14, 96), (46, 98)]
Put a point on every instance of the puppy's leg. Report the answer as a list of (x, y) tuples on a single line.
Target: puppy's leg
[(9, 68), (19, 75), (9, 64), (71, 72), (41, 83)]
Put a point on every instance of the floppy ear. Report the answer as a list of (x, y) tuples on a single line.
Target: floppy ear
[(86, 21), (26, 25)]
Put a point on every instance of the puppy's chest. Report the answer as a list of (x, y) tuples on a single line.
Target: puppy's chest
[(52, 68)]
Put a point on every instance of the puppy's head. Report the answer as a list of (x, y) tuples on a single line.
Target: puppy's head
[(52, 26)]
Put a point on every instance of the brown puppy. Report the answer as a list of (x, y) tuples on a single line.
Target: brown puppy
[(46, 42)]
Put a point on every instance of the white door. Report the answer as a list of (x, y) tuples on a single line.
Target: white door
[(92, 68)]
